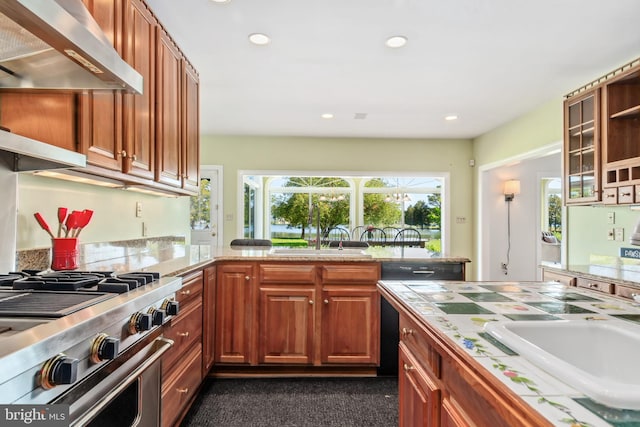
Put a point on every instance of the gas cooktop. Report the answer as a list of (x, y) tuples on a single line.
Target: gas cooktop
[(100, 281)]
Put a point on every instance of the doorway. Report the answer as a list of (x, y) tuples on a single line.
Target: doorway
[(206, 208)]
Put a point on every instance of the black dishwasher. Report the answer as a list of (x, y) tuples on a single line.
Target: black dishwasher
[(389, 323)]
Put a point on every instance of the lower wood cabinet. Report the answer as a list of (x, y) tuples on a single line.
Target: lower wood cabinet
[(440, 385), (300, 314), (235, 308), (418, 392), (180, 386), (182, 364)]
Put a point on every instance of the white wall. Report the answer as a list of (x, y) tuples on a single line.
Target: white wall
[(524, 222)]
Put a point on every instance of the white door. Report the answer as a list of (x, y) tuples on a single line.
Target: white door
[(206, 208)]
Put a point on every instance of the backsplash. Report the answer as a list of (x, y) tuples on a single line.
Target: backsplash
[(40, 259)]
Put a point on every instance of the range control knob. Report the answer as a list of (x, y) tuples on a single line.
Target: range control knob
[(172, 307), (104, 347), (157, 316), (60, 369), (140, 322)]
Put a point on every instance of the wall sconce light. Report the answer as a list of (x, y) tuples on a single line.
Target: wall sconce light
[(511, 188)]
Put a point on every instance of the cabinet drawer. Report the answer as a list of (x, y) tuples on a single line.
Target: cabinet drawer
[(287, 273), (420, 345), (178, 388), (626, 194), (367, 273), (595, 285), (191, 290), (549, 276), (610, 196), (184, 331), (626, 291)]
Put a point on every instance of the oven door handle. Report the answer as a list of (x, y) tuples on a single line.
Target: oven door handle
[(423, 272), (164, 344)]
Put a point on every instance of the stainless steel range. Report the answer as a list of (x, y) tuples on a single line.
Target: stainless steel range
[(91, 340)]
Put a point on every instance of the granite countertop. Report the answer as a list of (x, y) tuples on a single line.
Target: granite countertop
[(459, 311), (179, 259)]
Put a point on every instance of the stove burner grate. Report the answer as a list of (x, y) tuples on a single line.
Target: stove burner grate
[(47, 303)]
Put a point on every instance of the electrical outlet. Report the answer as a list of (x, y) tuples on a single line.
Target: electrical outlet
[(138, 209), (619, 234), (145, 230), (611, 234), (611, 217)]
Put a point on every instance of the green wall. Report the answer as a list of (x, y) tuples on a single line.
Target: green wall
[(586, 227), (346, 154)]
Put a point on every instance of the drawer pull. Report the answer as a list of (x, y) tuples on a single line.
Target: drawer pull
[(183, 334), (408, 368), (310, 302), (326, 301), (406, 332), (247, 278), (183, 390), (187, 292)]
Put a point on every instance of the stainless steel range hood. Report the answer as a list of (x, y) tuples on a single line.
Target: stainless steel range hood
[(20, 154), (56, 44)]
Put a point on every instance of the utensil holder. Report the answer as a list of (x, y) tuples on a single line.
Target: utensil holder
[(64, 254)]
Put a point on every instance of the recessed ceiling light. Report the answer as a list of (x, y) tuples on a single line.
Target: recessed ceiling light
[(221, 1), (396, 41), (259, 39), (451, 117), (327, 116)]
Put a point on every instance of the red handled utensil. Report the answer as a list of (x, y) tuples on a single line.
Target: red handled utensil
[(71, 223), (62, 215), (84, 218), (43, 224)]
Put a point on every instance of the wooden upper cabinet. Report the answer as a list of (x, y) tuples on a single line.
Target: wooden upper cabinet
[(100, 112), (44, 116), (139, 110), (582, 148), (191, 128), (168, 113)]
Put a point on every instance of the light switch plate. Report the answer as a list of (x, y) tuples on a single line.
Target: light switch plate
[(611, 217), (619, 234), (138, 209)]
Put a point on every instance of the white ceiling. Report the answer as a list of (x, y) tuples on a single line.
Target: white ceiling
[(487, 61)]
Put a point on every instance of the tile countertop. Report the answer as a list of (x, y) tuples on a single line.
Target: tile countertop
[(459, 311)]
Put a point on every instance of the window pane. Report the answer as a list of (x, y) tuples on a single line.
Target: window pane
[(201, 206)]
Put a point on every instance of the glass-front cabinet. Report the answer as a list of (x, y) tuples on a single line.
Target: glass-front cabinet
[(582, 147)]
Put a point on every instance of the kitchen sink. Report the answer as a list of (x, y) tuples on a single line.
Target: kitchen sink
[(326, 252), (597, 358)]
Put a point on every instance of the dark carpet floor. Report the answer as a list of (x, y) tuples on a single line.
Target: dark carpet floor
[(296, 402)]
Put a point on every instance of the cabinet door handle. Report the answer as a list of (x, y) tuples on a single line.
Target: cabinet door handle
[(247, 278), (408, 368), (134, 158), (183, 334), (626, 194), (407, 332), (183, 390), (122, 154), (310, 302), (326, 301), (187, 292)]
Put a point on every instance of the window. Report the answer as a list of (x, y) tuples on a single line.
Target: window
[(285, 208)]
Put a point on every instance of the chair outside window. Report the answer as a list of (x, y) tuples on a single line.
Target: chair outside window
[(357, 232), (408, 237), (374, 236), (337, 233), (348, 244), (390, 231)]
